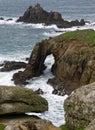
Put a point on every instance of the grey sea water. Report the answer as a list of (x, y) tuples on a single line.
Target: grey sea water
[(21, 38), (18, 39)]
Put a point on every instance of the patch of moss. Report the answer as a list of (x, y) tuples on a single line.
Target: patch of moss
[(65, 127), (86, 36), (81, 128), (2, 127)]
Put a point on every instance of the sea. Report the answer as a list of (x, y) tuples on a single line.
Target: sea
[(17, 41)]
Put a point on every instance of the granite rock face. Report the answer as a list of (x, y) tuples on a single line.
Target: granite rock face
[(80, 107), (37, 14), (91, 126), (32, 125), (19, 100), (74, 61)]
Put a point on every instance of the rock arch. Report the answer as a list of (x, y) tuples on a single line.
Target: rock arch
[(35, 65)]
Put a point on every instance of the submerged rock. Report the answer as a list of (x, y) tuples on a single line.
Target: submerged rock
[(18, 100), (80, 107), (37, 14), (74, 54), (12, 65)]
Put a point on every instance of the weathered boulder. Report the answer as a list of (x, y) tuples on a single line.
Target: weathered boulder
[(39, 91), (31, 125), (80, 107), (37, 14), (17, 100), (74, 54), (91, 126), (12, 65)]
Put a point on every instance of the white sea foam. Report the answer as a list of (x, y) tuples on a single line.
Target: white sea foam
[(52, 34), (12, 21), (6, 78), (8, 20), (56, 110)]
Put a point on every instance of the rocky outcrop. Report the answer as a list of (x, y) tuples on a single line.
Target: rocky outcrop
[(18, 100), (91, 126), (80, 107), (74, 54), (37, 14), (12, 65), (31, 125)]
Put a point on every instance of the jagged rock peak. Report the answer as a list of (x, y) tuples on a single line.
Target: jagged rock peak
[(36, 14)]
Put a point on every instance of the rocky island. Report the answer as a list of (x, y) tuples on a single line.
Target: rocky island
[(37, 14)]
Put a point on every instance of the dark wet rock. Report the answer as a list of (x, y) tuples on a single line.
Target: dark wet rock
[(39, 91), (1, 18), (27, 59), (80, 108), (37, 14), (19, 100), (12, 65), (74, 54), (9, 19)]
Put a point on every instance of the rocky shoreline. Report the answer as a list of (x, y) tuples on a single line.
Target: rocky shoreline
[(73, 66), (74, 54)]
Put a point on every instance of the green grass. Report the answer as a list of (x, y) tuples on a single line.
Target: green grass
[(2, 127), (85, 36), (65, 127)]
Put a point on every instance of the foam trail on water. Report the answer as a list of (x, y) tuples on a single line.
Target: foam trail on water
[(52, 34), (56, 110)]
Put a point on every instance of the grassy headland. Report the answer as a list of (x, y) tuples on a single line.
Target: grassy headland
[(84, 36)]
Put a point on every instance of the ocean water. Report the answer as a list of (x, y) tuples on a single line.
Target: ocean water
[(18, 39)]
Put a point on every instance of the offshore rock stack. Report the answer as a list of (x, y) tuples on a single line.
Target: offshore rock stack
[(37, 14)]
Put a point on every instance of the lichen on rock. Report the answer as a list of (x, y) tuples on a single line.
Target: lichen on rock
[(80, 107), (19, 100)]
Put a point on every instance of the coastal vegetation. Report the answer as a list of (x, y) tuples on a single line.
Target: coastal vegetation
[(86, 36), (65, 127), (2, 127)]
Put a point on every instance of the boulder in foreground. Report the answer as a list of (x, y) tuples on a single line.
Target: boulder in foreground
[(31, 125), (18, 100), (80, 107)]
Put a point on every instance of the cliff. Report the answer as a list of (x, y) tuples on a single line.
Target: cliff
[(74, 54)]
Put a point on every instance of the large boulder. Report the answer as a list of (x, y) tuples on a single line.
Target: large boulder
[(31, 125), (74, 54), (12, 65), (37, 14), (91, 126), (80, 107), (17, 100)]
